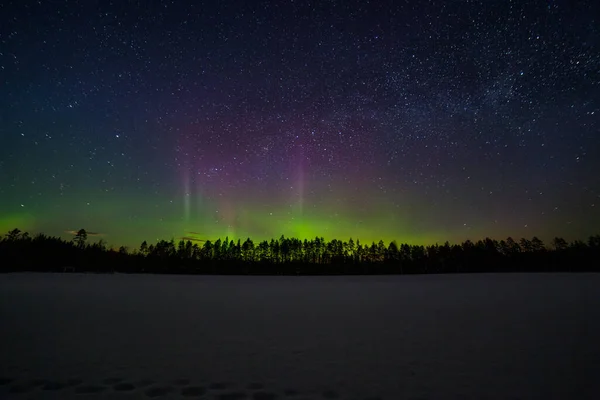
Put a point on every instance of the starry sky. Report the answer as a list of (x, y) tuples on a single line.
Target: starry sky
[(419, 121)]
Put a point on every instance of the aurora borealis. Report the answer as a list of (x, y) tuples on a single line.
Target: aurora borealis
[(418, 121)]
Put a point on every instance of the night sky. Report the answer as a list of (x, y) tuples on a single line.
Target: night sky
[(420, 121)]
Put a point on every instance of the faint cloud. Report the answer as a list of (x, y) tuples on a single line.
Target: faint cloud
[(87, 232), (192, 236), (191, 239)]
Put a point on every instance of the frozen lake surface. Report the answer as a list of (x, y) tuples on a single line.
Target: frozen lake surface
[(489, 336)]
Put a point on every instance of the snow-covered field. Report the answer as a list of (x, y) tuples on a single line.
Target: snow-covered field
[(494, 336)]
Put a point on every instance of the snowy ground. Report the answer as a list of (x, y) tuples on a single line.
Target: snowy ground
[(495, 336)]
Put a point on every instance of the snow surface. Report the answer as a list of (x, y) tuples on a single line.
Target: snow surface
[(488, 336)]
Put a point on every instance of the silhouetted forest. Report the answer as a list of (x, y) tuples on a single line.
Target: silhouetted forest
[(290, 256)]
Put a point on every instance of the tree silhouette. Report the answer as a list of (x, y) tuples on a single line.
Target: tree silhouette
[(80, 238), (526, 245), (537, 244), (248, 250), (512, 246), (559, 244), (20, 252), (14, 234), (144, 248)]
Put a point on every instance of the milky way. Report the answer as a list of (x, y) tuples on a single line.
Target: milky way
[(420, 121)]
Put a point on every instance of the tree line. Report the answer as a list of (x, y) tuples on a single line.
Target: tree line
[(20, 251)]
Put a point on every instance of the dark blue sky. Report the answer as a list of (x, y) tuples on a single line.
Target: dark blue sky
[(419, 121)]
